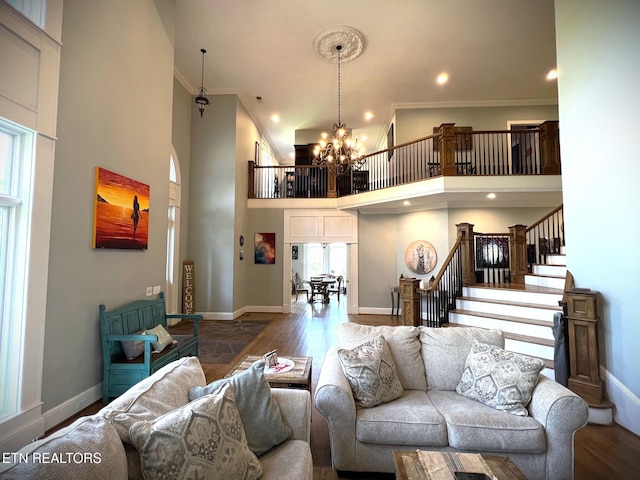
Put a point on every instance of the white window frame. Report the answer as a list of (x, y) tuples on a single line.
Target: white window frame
[(173, 271), (16, 203)]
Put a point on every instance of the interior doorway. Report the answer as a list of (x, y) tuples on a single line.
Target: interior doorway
[(524, 150), (328, 260)]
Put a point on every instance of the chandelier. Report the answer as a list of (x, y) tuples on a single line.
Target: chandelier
[(337, 151), (202, 100)]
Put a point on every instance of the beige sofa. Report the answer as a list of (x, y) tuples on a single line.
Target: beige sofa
[(100, 447), (431, 415)]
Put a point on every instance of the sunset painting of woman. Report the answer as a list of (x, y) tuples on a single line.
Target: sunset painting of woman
[(121, 214)]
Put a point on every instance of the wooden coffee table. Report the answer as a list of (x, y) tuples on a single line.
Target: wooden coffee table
[(409, 467), (298, 377)]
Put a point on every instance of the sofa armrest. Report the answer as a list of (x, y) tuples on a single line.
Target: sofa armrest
[(561, 412), (295, 405), (334, 400)]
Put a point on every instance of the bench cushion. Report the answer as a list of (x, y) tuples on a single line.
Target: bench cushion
[(409, 420)]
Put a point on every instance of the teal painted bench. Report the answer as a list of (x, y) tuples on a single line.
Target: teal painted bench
[(122, 324)]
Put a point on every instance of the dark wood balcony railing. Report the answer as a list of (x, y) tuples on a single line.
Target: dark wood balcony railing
[(449, 152)]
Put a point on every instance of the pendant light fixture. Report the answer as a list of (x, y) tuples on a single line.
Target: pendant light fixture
[(336, 151), (202, 100)]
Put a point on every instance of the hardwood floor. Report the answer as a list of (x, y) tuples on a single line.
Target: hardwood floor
[(601, 452)]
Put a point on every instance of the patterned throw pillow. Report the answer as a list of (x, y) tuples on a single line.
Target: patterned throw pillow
[(204, 439), (164, 338), (370, 370), (500, 379)]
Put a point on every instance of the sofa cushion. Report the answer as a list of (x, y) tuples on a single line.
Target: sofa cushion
[(474, 426), (261, 416), (371, 373), (403, 343), (203, 439), (500, 379), (88, 448), (289, 460), (161, 392), (409, 420), (445, 350)]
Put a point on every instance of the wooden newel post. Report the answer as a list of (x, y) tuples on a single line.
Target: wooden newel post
[(410, 297), (518, 253), (467, 250), (332, 190), (250, 182), (583, 345), (447, 149), (550, 147)]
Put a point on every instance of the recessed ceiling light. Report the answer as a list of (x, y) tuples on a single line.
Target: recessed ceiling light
[(442, 78), (275, 118), (491, 196), (368, 115), (406, 203), (552, 75)]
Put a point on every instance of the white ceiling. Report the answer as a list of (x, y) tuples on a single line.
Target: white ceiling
[(496, 52)]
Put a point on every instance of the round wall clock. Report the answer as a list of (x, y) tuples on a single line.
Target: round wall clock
[(421, 257)]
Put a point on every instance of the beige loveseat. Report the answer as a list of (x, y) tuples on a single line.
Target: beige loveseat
[(430, 414), (100, 446)]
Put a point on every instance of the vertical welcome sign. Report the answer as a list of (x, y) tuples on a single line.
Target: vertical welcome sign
[(188, 287)]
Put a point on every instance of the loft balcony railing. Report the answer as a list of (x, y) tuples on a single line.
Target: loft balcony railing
[(451, 151)]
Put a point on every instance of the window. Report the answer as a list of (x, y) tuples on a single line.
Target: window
[(173, 232), (16, 164), (34, 10), (325, 258)]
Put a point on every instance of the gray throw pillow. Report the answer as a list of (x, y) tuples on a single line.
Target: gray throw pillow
[(371, 373), (500, 379), (261, 415), (133, 348)]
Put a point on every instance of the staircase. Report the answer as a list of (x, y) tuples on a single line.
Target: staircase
[(523, 312)]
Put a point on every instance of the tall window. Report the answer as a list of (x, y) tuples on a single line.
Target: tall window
[(173, 232), (16, 166)]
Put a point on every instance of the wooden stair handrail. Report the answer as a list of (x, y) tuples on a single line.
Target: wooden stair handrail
[(436, 280), (546, 217)]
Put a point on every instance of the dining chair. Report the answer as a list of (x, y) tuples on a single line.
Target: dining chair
[(298, 286)]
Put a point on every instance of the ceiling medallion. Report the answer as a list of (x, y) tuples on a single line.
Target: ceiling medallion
[(351, 40)]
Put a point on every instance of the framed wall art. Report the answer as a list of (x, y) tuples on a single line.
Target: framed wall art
[(265, 248), (121, 212), (420, 257)]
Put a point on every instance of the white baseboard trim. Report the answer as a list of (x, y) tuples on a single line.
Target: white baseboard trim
[(626, 410), (240, 312), (67, 409), (375, 311), (22, 429)]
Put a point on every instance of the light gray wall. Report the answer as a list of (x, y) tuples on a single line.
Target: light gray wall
[(115, 107), (377, 268), (599, 104), (181, 139), (417, 123), (264, 282), (212, 203), (246, 137)]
